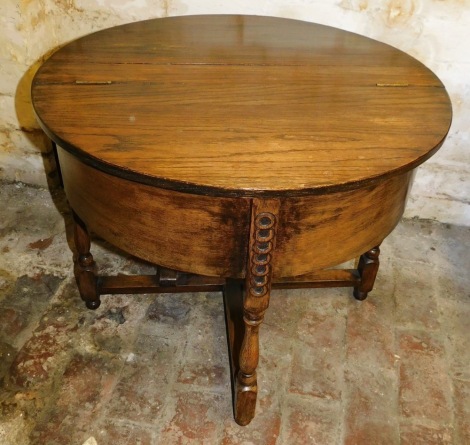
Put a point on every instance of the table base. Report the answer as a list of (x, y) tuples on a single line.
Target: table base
[(244, 386)]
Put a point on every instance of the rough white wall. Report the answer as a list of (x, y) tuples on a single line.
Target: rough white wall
[(437, 32)]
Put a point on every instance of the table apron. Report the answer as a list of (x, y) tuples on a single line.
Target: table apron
[(209, 235)]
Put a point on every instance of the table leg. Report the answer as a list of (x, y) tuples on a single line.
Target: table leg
[(367, 268), (84, 265), (249, 304)]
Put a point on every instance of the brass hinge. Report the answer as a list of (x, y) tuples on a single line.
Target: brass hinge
[(393, 84)]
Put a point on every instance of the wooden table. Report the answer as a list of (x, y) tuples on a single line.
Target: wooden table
[(245, 152)]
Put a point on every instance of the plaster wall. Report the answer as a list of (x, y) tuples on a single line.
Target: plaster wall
[(437, 32)]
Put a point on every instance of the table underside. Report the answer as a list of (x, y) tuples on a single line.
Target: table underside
[(245, 302)]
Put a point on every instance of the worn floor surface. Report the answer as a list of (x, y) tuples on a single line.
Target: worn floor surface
[(394, 369)]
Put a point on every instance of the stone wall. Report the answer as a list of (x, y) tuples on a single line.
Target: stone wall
[(437, 32)]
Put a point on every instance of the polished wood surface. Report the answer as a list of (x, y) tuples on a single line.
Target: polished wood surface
[(321, 231), (240, 105), (239, 154), (193, 233)]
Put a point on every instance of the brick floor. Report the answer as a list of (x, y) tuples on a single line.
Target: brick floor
[(153, 370)]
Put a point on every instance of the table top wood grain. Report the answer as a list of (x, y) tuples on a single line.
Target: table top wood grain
[(241, 105)]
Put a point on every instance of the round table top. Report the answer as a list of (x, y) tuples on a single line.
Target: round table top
[(232, 105)]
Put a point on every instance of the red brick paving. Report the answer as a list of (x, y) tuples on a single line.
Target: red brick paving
[(371, 404), (153, 370), (425, 384), (195, 419), (416, 434), (311, 421)]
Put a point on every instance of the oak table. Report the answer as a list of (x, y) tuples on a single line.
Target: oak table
[(237, 153)]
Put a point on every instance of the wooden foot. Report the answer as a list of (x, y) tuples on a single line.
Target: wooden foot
[(246, 392), (84, 265), (367, 268)]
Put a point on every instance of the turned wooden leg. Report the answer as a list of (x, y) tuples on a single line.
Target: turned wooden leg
[(368, 268), (84, 265), (255, 302)]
